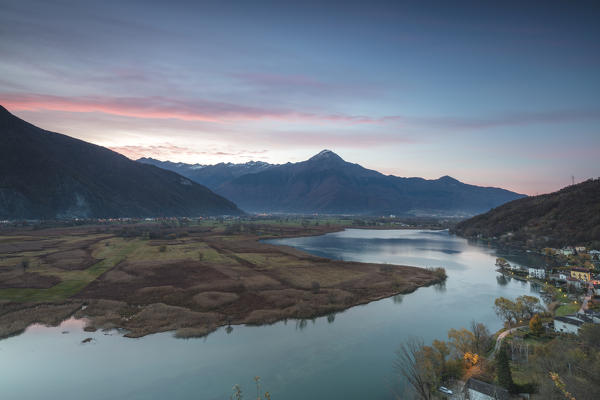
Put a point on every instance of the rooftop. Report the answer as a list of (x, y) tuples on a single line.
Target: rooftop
[(574, 319), (494, 391)]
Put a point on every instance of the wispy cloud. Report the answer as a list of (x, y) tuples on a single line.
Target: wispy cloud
[(286, 83), (166, 151), (157, 107), (508, 119)]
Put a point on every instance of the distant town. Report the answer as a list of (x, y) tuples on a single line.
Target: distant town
[(570, 280)]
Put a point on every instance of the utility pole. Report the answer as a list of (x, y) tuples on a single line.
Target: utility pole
[(572, 179)]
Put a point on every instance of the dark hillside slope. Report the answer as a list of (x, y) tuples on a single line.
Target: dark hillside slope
[(45, 175), (570, 216)]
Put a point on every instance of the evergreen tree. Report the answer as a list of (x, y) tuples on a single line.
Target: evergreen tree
[(503, 369)]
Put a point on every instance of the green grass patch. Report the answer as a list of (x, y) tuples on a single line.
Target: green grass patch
[(566, 309)]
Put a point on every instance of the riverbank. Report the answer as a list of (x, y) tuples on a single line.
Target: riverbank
[(191, 279)]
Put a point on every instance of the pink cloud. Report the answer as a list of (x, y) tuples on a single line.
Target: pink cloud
[(166, 151), (157, 107)]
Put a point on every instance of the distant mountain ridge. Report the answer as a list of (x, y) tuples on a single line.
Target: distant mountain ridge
[(568, 217), (47, 175), (210, 176), (327, 184)]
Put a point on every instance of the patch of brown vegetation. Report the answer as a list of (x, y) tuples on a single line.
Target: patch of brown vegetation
[(205, 279), (76, 259)]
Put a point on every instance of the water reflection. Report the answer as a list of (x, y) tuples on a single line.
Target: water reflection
[(301, 324), (440, 287), (503, 280), (397, 299), (350, 359)]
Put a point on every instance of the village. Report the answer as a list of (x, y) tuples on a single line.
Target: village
[(534, 335), (570, 282)]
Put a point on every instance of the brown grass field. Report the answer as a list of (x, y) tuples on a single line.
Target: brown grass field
[(190, 279)]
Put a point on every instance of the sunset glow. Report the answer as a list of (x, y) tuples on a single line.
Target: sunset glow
[(480, 96)]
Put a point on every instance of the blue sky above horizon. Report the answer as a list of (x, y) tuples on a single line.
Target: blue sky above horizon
[(504, 94)]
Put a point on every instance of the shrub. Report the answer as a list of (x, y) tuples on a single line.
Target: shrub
[(25, 263), (439, 273), (162, 248), (535, 325), (315, 287)]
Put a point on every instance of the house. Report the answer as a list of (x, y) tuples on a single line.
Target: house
[(539, 273), (563, 275), (571, 323), (594, 315), (567, 251), (479, 390), (583, 274), (580, 249), (574, 282)]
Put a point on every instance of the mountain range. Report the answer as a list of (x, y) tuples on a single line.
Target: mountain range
[(568, 217), (327, 184), (47, 175)]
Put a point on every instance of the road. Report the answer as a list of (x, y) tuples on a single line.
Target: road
[(502, 336)]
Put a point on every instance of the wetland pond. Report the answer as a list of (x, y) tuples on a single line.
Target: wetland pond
[(348, 355)]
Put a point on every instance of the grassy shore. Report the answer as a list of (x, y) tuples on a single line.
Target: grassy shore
[(191, 278)]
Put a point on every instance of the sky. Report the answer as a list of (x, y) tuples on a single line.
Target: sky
[(500, 94)]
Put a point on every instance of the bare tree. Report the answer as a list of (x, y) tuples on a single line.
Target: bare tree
[(482, 339), (410, 365)]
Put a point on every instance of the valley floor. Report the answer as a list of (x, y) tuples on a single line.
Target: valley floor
[(148, 278)]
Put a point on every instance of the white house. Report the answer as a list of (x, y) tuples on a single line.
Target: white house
[(539, 273), (567, 251), (563, 276), (570, 323), (479, 390)]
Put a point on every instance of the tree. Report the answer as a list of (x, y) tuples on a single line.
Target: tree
[(411, 363), (25, 264), (560, 385), (502, 263), (505, 309), (527, 306), (503, 368), (315, 287), (461, 340), (590, 336), (535, 325), (482, 339)]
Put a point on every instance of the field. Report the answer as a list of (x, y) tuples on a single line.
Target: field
[(191, 278)]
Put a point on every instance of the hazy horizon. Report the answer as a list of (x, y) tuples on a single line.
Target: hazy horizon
[(502, 95)]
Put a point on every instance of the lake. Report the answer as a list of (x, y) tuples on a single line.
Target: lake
[(349, 355)]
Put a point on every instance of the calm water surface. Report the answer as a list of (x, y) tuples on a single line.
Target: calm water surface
[(346, 356)]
